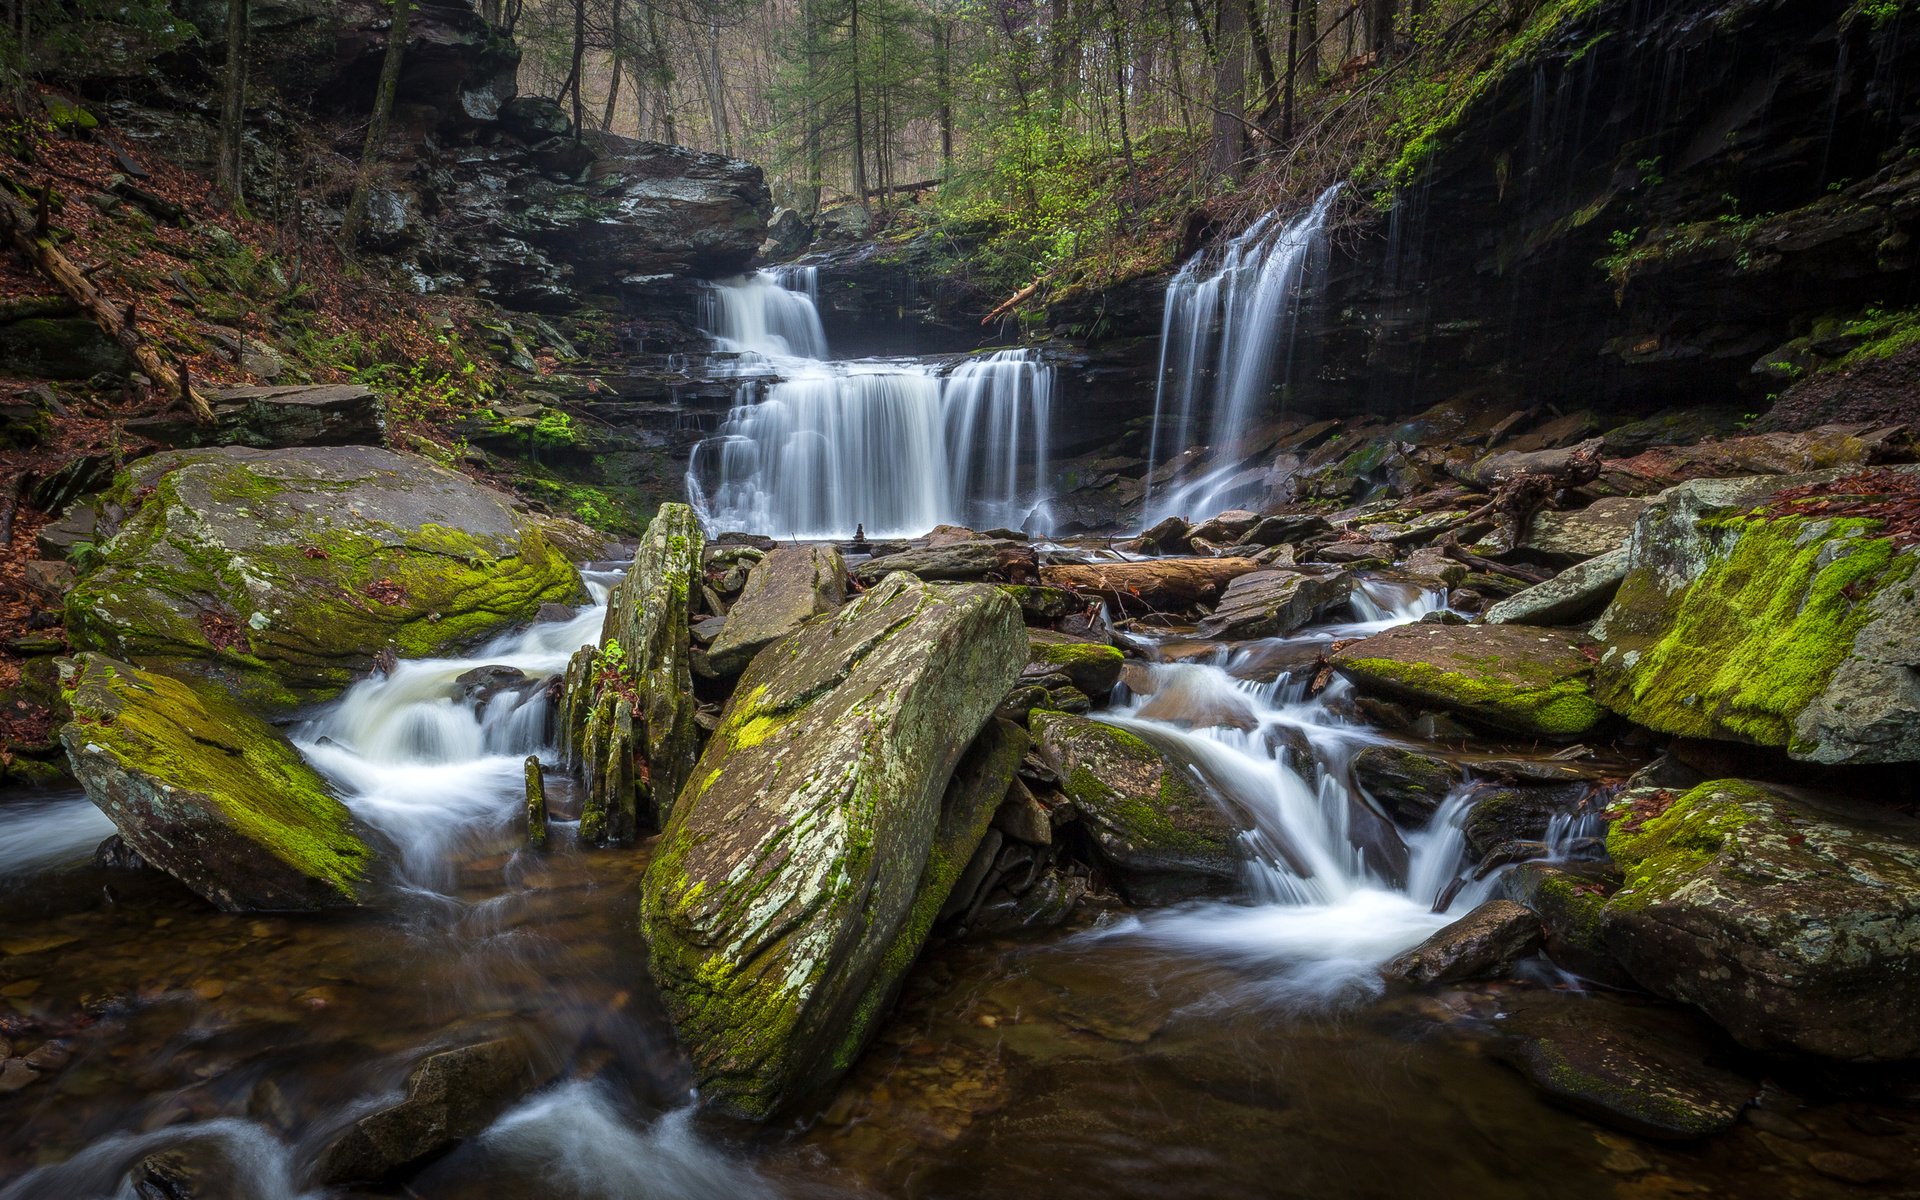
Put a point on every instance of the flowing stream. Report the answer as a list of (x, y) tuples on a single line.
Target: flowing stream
[(819, 449)]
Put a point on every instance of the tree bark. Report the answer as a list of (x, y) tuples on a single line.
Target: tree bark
[(229, 160), (356, 215), (1229, 89), (859, 113), (21, 227)]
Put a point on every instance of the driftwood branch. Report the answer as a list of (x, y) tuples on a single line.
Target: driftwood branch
[(1012, 302), (29, 235)]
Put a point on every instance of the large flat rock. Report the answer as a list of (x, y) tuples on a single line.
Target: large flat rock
[(1510, 677)]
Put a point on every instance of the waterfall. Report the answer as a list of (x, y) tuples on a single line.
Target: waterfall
[(1227, 320), (896, 446), (1337, 889)]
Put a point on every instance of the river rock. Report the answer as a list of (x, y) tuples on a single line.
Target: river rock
[(804, 863), (208, 793), (1484, 943), (285, 573), (1273, 603), (1646, 1070), (783, 589), (1776, 611), (267, 418), (1163, 838), (1164, 585), (1044, 605), (627, 707), (1408, 784), (1569, 897), (956, 561), (1505, 813), (1093, 667), (1583, 533), (1789, 918), (1516, 678), (451, 1095), (1581, 591)]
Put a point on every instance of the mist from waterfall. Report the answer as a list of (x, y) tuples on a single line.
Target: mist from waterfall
[(817, 449), (1226, 333)]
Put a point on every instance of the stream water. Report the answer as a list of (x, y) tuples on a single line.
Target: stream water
[(1225, 1048)]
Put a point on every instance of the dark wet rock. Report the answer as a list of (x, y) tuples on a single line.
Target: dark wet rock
[(1484, 943), (1511, 813), (1517, 678), (114, 854), (1274, 603), (1568, 899), (60, 348), (1289, 529), (1410, 785), (1043, 605), (957, 561), (555, 612), (210, 794), (1163, 837), (1648, 1071), (536, 792), (626, 716), (786, 587), (1092, 667), (269, 418), (1023, 818), (479, 686), (286, 573), (1225, 529), (822, 791), (1788, 917), (1578, 593), (450, 1096), (1822, 660), (1167, 536), (198, 1169)]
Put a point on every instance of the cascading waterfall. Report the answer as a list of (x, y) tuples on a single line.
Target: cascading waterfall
[(1228, 319), (1336, 889), (893, 446)]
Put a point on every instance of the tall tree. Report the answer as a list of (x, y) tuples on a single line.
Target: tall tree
[(231, 147), (390, 63), (1229, 89)]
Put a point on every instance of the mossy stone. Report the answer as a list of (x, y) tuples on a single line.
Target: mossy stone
[(1533, 681)]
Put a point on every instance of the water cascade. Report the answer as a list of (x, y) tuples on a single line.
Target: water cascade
[(1336, 889), (816, 448), (1228, 324)]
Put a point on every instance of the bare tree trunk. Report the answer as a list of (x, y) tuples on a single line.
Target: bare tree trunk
[(619, 68), (1293, 63), (943, 37), (1309, 11), (859, 112), (356, 215), (229, 160), (579, 64), (663, 76), (1229, 89), (717, 84)]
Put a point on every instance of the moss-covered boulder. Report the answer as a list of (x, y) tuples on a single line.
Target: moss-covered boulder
[(1521, 679), (285, 573), (1780, 611), (1792, 920), (789, 585), (208, 793), (627, 706), (1160, 834), (1092, 667), (808, 855)]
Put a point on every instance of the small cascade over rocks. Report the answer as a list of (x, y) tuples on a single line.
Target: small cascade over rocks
[(1226, 333), (817, 449)]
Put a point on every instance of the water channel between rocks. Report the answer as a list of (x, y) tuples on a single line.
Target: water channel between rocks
[(1211, 1049)]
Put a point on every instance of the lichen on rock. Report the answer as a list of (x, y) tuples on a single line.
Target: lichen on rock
[(209, 793), (1516, 678)]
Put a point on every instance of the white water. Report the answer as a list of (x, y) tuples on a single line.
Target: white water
[(1326, 911), (428, 768), (894, 446), (1228, 320), (41, 835)]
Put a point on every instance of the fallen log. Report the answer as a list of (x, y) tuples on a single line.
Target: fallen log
[(1159, 584), (1012, 302), (28, 235)]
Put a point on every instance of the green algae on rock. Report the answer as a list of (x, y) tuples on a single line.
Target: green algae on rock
[(1164, 838), (1791, 624), (626, 708), (1791, 919), (1518, 678), (285, 573), (208, 793), (807, 854), (1093, 667)]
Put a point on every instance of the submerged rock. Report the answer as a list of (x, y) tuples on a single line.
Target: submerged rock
[(627, 706), (285, 573), (783, 589), (1485, 942), (451, 1095), (1790, 919), (210, 794), (1521, 679), (806, 859), (1780, 612), (1162, 836)]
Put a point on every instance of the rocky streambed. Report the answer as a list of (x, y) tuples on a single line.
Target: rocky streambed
[(1231, 861)]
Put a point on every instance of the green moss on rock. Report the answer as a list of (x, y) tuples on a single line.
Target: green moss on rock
[(1522, 679)]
